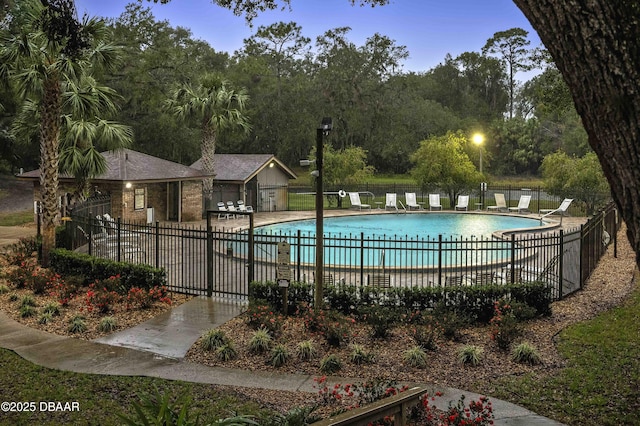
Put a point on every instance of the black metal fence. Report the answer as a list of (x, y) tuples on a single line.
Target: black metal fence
[(208, 260), (303, 197)]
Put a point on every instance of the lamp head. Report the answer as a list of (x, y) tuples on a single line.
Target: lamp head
[(326, 124), (478, 138)]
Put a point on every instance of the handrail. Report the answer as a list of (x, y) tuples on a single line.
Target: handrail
[(397, 406)]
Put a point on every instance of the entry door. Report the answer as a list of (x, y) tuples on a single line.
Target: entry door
[(173, 201)]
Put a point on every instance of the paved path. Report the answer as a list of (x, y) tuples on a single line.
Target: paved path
[(156, 349), (12, 234)]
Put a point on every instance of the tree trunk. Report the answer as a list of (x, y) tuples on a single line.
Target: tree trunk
[(208, 149), (49, 155), (596, 47)]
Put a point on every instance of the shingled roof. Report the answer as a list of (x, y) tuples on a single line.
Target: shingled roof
[(242, 167), (134, 166)]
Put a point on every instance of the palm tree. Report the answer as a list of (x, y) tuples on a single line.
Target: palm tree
[(218, 107), (49, 57)]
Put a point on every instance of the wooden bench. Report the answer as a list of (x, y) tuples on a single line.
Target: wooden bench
[(397, 406)]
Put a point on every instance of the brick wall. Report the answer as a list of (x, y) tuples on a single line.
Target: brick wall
[(191, 201)]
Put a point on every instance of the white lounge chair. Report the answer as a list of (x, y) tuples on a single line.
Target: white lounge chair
[(410, 198), (354, 197), (222, 211), (391, 201), (434, 202), (242, 207), (232, 209), (562, 209), (501, 203), (523, 204), (463, 202)]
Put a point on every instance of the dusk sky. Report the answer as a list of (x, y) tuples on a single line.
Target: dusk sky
[(428, 28)]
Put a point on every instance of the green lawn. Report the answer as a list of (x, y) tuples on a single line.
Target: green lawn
[(601, 384), (100, 397), (17, 218)]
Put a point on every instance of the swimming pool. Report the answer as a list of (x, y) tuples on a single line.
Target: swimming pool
[(398, 240), (413, 225)]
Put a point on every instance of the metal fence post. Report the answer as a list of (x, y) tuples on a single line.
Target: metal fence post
[(209, 256), (561, 265)]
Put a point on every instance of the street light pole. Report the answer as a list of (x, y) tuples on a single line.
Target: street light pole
[(478, 139), (324, 129)]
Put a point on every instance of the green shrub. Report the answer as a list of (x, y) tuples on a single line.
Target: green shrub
[(27, 311), (426, 336), (68, 263), (450, 321), (45, 318), (77, 324), (52, 308), (360, 356), (226, 352), (279, 355), (28, 300), (330, 364), (537, 295), (416, 357), (470, 354), (213, 339), (107, 325), (504, 325), (260, 315), (306, 350), (382, 319), (525, 353), (260, 341)]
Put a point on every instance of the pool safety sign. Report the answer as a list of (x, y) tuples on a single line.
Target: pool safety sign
[(283, 268)]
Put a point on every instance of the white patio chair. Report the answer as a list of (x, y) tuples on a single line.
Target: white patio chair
[(412, 203), (523, 204), (463, 202), (354, 197), (434, 202)]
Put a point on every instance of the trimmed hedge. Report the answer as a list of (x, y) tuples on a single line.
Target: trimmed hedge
[(475, 303), (92, 268)]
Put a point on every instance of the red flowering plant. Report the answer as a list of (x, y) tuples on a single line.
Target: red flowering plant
[(21, 275), (138, 298), (350, 396), (264, 316), (334, 327), (475, 413), (42, 279), (504, 325), (101, 297), (62, 291)]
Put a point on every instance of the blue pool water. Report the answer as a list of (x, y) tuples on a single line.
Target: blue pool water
[(411, 225), (396, 240)]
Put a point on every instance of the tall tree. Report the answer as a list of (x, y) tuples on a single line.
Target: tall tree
[(442, 163), (217, 106), (511, 45), (50, 59)]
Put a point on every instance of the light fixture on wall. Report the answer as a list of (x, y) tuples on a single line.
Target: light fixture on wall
[(128, 185), (272, 164)]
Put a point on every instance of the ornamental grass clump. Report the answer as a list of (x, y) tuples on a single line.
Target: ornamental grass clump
[(52, 308), (470, 355), (107, 325), (279, 355), (330, 364), (27, 311), (306, 350), (359, 355), (226, 352), (416, 357), (77, 324), (28, 300), (45, 318), (525, 353), (260, 341), (213, 339)]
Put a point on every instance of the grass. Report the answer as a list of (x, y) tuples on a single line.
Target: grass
[(102, 397), (16, 218), (600, 385)]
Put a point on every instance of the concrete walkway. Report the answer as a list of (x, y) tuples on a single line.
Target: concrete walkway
[(157, 347)]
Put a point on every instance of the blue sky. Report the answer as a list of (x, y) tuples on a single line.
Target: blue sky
[(428, 28)]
